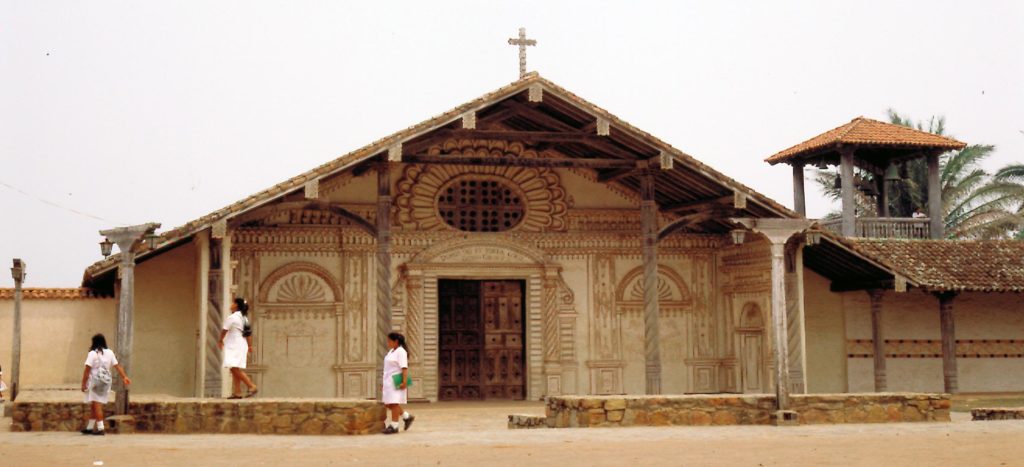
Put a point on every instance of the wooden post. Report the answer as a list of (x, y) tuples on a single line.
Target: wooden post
[(877, 338), (935, 198), (213, 319), (125, 326), (799, 203), (18, 273), (649, 227), (849, 203), (383, 261), (949, 373), (779, 329), (202, 244), (882, 199)]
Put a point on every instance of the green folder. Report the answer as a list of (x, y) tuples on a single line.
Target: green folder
[(397, 379)]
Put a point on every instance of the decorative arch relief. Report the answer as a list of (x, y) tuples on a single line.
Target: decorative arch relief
[(673, 293), (543, 200)]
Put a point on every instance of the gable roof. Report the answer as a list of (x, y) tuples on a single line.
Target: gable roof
[(690, 180), (954, 265), (865, 131)]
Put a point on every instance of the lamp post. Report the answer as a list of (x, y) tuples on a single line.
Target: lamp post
[(128, 240), (18, 273)]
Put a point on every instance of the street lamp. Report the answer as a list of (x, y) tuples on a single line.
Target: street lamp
[(738, 235), (18, 273), (128, 240), (106, 247)]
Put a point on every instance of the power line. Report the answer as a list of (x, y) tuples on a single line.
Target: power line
[(59, 206)]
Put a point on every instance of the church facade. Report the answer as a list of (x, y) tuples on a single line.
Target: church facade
[(528, 244)]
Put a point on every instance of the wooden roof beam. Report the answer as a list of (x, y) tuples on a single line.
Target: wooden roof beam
[(699, 204), (615, 175), (574, 162)]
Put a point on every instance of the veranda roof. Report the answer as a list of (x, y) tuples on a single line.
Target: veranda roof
[(953, 265), (863, 132)]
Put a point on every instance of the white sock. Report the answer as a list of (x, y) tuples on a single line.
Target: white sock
[(91, 424), (405, 415), (99, 425), (394, 425)]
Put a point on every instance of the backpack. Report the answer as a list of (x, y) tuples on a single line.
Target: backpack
[(246, 327), (101, 380)]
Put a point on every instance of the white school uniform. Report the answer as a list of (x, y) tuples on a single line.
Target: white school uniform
[(95, 361), (235, 346), (394, 361)]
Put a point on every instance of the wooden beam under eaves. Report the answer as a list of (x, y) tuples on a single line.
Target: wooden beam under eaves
[(697, 205), (521, 162)]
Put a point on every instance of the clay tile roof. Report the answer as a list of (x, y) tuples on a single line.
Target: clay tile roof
[(865, 131), (954, 265), (51, 294)]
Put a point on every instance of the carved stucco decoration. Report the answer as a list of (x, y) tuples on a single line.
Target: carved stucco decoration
[(299, 289), (673, 294), (544, 198)]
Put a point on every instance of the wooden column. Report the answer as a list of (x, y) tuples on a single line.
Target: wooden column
[(649, 227), (849, 226), (18, 272), (212, 380), (383, 277), (882, 199), (799, 203), (202, 244), (226, 297), (935, 198), (877, 338), (779, 329), (949, 374)]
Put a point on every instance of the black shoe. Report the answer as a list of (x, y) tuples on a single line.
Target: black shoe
[(408, 421), (390, 430), (99, 432), (86, 431)]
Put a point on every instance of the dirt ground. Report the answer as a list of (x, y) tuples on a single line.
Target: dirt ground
[(476, 434)]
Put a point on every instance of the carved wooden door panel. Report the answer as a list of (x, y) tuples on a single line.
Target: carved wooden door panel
[(751, 380), (503, 339), (461, 337)]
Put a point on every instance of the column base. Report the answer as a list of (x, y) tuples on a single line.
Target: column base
[(785, 418)]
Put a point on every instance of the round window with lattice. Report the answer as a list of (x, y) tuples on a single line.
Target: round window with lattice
[(476, 204)]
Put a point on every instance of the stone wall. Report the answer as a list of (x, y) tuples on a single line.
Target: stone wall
[(1000, 413), (752, 409), (258, 416)]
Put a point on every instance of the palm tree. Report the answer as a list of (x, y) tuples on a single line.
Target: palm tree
[(976, 204)]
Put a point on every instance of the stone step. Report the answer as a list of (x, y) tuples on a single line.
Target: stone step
[(520, 421)]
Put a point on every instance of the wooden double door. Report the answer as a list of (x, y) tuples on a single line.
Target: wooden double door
[(481, 336)]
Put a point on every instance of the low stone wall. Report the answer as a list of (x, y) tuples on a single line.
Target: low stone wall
[(998, 413), (748, 409), (256, 416)]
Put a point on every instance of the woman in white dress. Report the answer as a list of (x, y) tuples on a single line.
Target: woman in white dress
[(96, 382), (236, 340), (3, 387), (396, 362)]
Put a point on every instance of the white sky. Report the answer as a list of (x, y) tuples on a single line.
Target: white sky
[(164, 111)]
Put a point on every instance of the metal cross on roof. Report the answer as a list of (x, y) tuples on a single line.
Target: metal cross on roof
[(522, 42)]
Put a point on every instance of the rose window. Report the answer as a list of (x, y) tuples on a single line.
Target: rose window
[(480, 205)]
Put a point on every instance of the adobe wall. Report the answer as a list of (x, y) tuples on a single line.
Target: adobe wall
[(55, 337), (989, 334), (165, 324)]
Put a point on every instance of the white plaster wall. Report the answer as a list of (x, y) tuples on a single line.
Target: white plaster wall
[(826, 336), (165, 324), (915, 315), (55, 338)]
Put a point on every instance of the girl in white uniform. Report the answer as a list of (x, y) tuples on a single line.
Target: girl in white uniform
[(236, 340), (396, 362), (96, 382)]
